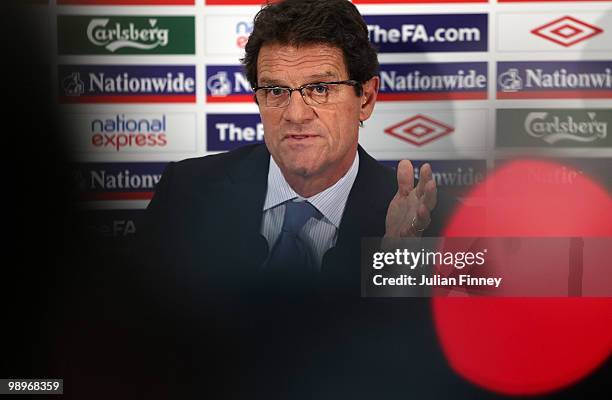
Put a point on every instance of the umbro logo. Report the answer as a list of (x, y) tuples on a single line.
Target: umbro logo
[(419, 130), (567, 31)]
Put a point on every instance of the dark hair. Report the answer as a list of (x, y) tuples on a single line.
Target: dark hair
[(299, 22)]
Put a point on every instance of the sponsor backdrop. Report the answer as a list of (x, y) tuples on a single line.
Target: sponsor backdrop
[(465, 85)]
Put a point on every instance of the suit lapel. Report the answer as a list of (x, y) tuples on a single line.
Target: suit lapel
[(367, 203), (247, 186), (364, 216)]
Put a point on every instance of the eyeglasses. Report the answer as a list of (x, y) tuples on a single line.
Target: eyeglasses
[(312, 93)]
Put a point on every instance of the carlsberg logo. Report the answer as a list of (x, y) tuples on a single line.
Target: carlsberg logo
[(553, 128), (115, 36), (125, 34)]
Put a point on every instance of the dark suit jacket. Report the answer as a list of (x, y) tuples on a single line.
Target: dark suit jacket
[(209, 305), (206, 218)]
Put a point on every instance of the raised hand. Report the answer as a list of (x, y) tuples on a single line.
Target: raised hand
[(409, 211)]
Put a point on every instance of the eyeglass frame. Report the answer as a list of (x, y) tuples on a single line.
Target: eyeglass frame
[(350, 82)]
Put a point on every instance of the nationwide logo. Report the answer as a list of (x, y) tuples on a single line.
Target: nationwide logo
[(227, 83), (428, 81), (567, 171), (554, 79), (428, 33), (510, 81), (126, 35), (455, 176), (567, 31), (117, 181), (127, 84), (127, 2), (563, 127), (419, 130), (229, 131)]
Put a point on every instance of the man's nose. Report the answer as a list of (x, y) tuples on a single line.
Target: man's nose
[(298, 111)]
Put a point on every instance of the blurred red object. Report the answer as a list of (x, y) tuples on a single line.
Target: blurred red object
[(529, 345)]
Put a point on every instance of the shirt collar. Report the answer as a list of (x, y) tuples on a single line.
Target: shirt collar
[(330, 202)]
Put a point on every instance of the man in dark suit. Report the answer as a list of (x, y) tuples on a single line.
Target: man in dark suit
[(252, 252), (312, 69)]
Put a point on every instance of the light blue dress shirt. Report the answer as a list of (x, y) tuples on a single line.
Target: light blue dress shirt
[(319, 234)]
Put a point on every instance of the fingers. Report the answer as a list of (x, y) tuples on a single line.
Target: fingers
[(423, 215), (427, 193), (405, 177), (425, 176), (409, 211), (422, 218), (430, 197)]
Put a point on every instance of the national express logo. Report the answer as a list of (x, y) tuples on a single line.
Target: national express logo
[(428, 33), (429, 81), (117, 181), (242, 31), (567, 31), (127, 84), (227, 34), (133, 133), (419, 130), (126, 34), (229, 131), (119, 132), (554, 79), (227, 83), (554, 127)]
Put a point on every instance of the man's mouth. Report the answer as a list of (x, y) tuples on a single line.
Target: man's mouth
[(300, 137)]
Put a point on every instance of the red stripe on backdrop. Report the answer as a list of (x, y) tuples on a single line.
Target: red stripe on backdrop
[(416, 1), (561, 94), (432, 96), (129, 99), (117, 196), (545, 1), (127, 2), (235, 2)]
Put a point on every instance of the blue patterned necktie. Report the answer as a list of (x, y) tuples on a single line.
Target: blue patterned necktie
[(290, 253)]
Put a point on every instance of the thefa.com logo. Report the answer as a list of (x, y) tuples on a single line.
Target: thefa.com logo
[(567, 31), (419, 130)]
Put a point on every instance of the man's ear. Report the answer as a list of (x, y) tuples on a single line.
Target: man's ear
[(368, 97)]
